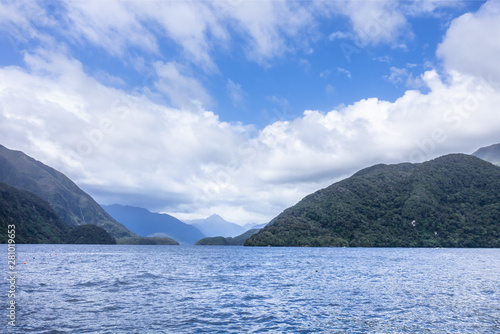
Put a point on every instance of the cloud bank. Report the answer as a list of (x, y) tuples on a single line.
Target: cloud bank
[(127, 147)]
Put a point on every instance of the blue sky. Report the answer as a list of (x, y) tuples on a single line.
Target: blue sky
[(241, 108), (313, 71)]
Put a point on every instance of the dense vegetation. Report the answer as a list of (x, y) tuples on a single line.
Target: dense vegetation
[(34, 219), (229, 241), (73, 206), (89, 234), (37, 223), (452, 201)]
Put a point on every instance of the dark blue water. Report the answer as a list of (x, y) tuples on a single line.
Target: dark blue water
[(172, 289)]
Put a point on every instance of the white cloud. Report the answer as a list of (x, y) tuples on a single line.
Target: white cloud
[(372, 131), (183, 91), (397, 76), (344, 71), (110, 142), (374, 22), (196, 26), (382, 21), (273, 28), (401, 76), (471, 44), (128, 149), (269, 28), (91, 20)]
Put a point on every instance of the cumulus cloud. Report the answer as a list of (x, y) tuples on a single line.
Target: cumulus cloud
[(123, 147), (91, 21), (107, 140), (471, 44)]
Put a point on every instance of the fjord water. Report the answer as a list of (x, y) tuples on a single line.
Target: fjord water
[(181, 289)]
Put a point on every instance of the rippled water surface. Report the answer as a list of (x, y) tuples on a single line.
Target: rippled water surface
[(181, 289)]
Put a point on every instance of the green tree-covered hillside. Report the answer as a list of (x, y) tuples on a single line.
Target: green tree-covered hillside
[(73, 206), (452, 201), (34, 219), (229, 241)]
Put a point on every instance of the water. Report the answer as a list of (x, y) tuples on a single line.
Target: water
[(177, 289)]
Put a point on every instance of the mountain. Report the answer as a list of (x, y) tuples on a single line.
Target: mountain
[(73, 206), (255, 227), (34, 219), (229, 241), (146, 223), (215, 226), (36, 222), (451, 201), (489, 153)]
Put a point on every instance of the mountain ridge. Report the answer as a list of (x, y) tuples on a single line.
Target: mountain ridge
[(215, 226), (451, 201), (34, 221), (145, 223), (229, 241), (489, 153), (74, 206)]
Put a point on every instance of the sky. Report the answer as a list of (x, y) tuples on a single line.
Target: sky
[(241, 108)]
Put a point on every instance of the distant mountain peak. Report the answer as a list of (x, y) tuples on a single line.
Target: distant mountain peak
[(150, 224), (216, 226), (216, 218), (489, 153)]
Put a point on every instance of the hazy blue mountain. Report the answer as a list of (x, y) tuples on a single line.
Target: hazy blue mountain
[(229, 241), (490, 153), (216, 226), (146, 223), (255, 226), (451, 201), (73, 206)]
